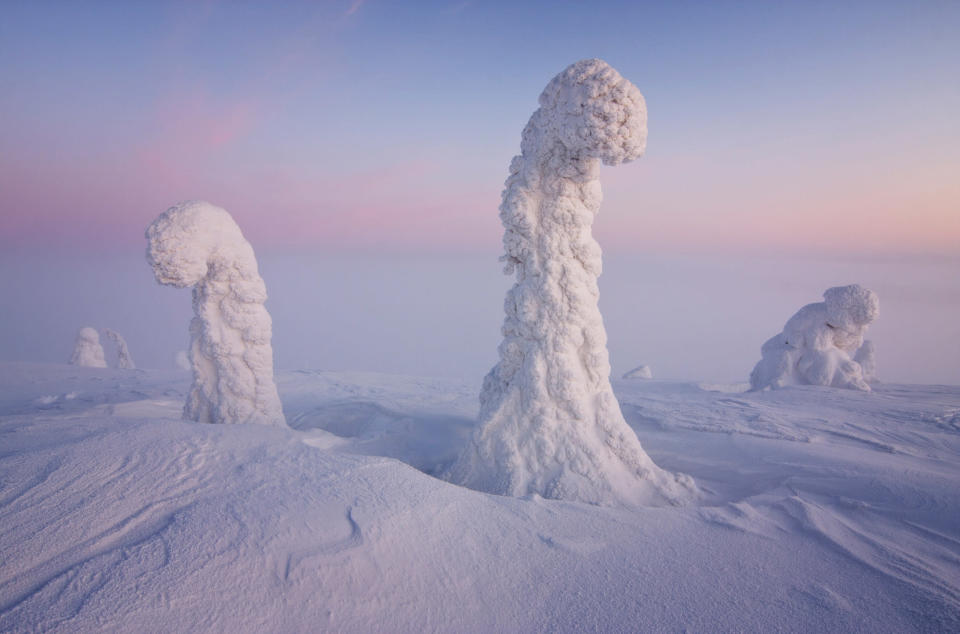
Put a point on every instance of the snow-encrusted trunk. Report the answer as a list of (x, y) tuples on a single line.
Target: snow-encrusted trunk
[(549, 421), (87, 351), (124, 360), (198, 244)]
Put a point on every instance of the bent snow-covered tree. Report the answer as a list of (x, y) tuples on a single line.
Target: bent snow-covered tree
[(87, 351), (818, 344), (124, 360), (549, 421), (198, 244)]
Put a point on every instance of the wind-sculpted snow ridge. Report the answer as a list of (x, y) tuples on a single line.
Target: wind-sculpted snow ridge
[(87, 351), (198, 244), (818, 344), (549, 421), (124, 360)]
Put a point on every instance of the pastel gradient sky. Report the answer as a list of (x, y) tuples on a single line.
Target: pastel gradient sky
[(374, 125)]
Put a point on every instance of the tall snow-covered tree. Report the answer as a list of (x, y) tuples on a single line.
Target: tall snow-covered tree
[(549, 421)]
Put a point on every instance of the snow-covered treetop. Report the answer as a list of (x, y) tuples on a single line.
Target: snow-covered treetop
[(192, 237), (593, 112), (851, 307)]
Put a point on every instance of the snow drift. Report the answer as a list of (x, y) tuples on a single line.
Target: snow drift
[(124, 360), (199, 245), (87, 351), (818, 344), (549, 421)]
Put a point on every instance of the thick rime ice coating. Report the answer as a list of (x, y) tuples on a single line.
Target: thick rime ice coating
[(124, 360), (549, 421), (866, 356), (198, 244), (87, 351), (818, 344), (639, 372)]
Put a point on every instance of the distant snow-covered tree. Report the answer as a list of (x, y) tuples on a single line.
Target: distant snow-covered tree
[(818, 343), (124, 360), (196, 244), (87, 351)]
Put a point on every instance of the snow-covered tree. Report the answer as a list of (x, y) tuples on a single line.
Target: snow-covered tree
[(124, 360), (87, 351), (198, 244), (549, 421), (817, 344), (866, 356)]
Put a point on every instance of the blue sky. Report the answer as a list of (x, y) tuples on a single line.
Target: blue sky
[(389, 125)]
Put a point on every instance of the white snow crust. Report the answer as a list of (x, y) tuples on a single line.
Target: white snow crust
[(818, 343), (639, 372), (823, 511), (87, 351), (196, 244), (549, 422), (124, 360)]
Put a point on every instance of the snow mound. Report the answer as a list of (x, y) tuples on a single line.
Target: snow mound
[(124, 360), (549, 421), (639, 372), (87, 351), (196, 244), (818, 343)]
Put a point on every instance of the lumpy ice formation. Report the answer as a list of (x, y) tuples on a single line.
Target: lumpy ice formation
[(198, 244), (820, 345), (549, 421), (87, 351)]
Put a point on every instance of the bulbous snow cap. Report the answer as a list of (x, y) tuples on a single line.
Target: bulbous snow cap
[(187, 238), (595, 113), (851, 307), (88, 335)]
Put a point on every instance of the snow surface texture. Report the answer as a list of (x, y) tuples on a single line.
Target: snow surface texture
[(549, 421), (823, 511), (867, 358), (124, 360), (818, 344), (639, 372), (198, 244), (87, 351)]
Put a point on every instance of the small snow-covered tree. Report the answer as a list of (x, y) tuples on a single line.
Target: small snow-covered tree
[(124, 360), (87, 351), (549, 421), (198, 244), (818, 343)]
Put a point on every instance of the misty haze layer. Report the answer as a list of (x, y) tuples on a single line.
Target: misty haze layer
[(688, 317)]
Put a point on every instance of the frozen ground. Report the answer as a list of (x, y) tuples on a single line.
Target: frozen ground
[(827, 510)]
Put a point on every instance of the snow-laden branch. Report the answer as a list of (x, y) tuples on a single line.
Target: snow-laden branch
[(87, 351), (818, 344), (198, 244), (549, 421)]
